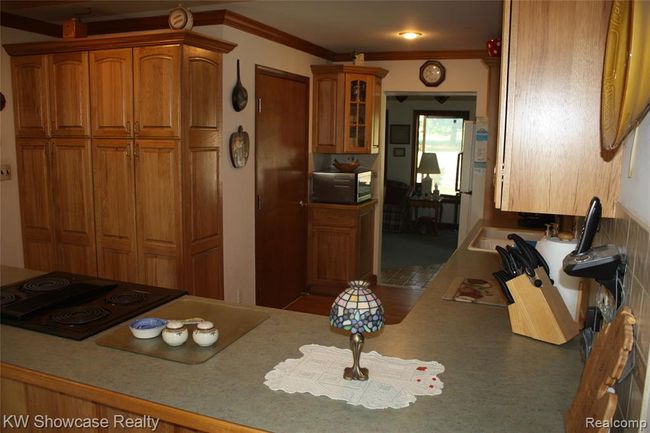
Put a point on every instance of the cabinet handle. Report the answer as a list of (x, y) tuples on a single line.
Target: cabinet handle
[(136, 151), (137, 127), (127, 151), (128, 126)]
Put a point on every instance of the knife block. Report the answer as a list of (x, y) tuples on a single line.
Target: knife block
[(540, 312)]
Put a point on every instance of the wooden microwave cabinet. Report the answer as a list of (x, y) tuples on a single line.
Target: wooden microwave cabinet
[(347, 108), (341, 244), (118, 157), (549, 122)]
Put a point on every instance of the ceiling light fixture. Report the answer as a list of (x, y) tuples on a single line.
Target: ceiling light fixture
[(410, 35)]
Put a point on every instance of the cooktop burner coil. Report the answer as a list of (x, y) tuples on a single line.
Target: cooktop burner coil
[(7, 298), (40, 285), (79, 315), (126, 297)]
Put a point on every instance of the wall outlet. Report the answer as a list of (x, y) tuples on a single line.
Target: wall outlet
[(5, 172)]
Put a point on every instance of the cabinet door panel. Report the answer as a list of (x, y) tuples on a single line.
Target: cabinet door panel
[(36, 210), (69, 94), (111, 92), (157, 77), (332, 250), (551, 138), (157, 176), (160, 270), (329, 98), (29, 74), (73, 192), (359, 97), (115, 209)]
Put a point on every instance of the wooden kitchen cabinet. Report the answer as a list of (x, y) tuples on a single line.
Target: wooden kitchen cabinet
[(548, 152), (156, 86), (140, 199), (117, 256), (72, 190), (36, 207), (68, 74), (111, 93), (340, 245), (30, 83), (347, 108)]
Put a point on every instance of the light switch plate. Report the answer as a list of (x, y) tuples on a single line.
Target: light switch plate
[(5, 172)]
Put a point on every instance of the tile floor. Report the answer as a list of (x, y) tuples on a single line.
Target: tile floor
[(408, 276)]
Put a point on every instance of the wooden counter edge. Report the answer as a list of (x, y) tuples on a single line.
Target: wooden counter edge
[(121, 401)]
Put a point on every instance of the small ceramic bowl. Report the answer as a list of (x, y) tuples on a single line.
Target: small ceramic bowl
[(205, 334), (148, 327), (175, 333)]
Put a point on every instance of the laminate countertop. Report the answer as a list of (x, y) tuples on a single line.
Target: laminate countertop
[(494, 380)]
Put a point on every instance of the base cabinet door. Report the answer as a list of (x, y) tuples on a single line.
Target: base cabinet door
[(115, 226), (72, 188), (37, 214), (340, 245), (157, 193)]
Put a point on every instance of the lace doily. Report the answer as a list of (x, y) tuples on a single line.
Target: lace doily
[(393, 382)]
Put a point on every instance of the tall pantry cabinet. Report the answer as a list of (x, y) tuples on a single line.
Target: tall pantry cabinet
[(119, 143)]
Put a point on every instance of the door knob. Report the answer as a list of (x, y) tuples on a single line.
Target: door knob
[(301, 203)]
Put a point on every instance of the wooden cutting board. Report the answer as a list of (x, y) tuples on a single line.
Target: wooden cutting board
[(231, 321)]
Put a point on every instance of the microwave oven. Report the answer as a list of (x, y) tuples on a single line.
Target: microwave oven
[(337, 187)]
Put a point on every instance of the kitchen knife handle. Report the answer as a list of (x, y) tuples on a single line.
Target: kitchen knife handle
[(524, 248), (591, 226)]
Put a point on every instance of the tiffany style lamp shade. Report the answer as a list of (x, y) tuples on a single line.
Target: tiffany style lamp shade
[(358, 310)]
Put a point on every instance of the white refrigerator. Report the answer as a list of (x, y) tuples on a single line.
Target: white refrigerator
[(470, 181)]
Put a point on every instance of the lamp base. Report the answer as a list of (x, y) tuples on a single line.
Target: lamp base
[(427, 183), (356, 372)]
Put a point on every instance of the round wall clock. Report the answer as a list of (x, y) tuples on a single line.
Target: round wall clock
[(180, 18), (432, 73)]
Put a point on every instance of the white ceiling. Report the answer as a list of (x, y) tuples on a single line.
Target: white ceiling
[(340, 26)]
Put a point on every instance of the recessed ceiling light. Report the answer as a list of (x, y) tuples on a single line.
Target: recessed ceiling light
[(410, 35)]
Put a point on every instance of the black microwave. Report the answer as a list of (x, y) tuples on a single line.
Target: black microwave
[(337, 187)]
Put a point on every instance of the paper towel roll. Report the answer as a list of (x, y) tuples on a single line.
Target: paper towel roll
[(554, 251)]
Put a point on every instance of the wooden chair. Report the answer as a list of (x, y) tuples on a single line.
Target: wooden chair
[(602, 369)]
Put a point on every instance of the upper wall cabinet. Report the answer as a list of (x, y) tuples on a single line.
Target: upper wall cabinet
[(111, 92), (549, 134), (31, 112), (69, 95), (347, 108)]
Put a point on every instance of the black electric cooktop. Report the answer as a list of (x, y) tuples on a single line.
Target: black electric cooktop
[(77, 306)]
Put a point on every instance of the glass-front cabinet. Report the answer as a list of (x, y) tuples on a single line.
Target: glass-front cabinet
[(347, 108)]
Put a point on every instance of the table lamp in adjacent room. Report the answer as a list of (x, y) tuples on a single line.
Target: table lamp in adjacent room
[(358, 310), (428, 165)]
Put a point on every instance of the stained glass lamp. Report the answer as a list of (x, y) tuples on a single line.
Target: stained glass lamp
[(358, 310)]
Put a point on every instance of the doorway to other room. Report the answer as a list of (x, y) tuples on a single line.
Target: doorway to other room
[(425, 139)]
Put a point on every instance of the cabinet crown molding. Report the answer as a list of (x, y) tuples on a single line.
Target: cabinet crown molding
[(349, 69), (123, 40)]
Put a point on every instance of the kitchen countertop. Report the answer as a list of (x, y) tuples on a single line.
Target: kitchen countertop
[(494, 380)]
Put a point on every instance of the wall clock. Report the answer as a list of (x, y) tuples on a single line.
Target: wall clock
[(180, 18), (432, 73)]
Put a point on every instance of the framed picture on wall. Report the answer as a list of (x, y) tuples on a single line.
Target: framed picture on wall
[(399, 151), (400, 134)]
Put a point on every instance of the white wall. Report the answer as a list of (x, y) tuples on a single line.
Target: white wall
[(401, 113), (239, 184), (635, 189), (11, 243)]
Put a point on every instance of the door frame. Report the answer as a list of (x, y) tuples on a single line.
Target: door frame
[(278, 73)]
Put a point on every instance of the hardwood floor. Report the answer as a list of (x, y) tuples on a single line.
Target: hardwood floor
[(397, 302)]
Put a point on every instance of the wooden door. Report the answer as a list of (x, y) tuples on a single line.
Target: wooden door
[(69, 94), (72, 188), (36, 211), (29, 76), (281, 186), (157, 192), (157, 78), (111, 92), (117, 256)]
